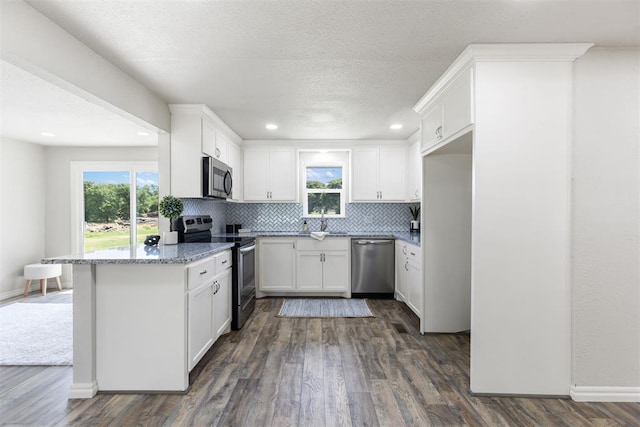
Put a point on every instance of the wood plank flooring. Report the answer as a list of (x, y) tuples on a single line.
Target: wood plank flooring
[(308, 372)]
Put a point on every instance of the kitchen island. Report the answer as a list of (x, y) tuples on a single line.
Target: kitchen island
[(131, 317)]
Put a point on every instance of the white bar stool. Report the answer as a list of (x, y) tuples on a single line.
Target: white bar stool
[(42, 272)]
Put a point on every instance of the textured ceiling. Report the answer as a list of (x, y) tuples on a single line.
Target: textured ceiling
[(319, 69)]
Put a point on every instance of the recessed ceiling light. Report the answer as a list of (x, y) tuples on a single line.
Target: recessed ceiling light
[(143, 133), (271, 126), (47, 134), (396, 126)]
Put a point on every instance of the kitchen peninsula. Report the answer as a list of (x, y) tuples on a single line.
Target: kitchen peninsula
[(133, 329)]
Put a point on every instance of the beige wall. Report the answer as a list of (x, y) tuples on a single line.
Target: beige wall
[(22, 212), (606, 220)]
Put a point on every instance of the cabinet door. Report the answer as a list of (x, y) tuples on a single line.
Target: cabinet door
[(392, 173), (236, 169), (208, 138), (222, 147), (282, 175), (201, 334), (336, 275), (364, 181), (255, 168), (309, 271), (222, 304), (432, 126), (276, 258), (414, 189), (456, 105), (401, 272), (414, 277)]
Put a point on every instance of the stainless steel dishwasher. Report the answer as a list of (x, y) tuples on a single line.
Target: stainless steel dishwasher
[(372, 268)]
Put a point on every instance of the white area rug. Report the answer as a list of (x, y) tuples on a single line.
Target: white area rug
[(302, 307), (36, 334)]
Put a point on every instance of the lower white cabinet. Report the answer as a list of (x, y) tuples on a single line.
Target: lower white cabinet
[(304, 265), (209, 304), (276, 264), (409, 286)]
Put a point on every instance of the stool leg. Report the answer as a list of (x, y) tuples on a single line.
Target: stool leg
[(58, 283), (43, 286), (26, 287)]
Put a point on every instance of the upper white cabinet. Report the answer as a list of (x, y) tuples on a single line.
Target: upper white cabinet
[(449, 113), (414, 183), (270, 174), (196, 131), (378, 174)]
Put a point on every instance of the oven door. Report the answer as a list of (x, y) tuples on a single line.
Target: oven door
[(246, 281)]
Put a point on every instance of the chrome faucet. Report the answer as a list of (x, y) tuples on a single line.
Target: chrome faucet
[(323, 222)]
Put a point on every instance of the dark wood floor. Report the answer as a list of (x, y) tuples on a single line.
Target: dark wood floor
[(309, 372)]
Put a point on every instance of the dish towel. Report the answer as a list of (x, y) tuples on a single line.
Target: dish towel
[(318, 235)]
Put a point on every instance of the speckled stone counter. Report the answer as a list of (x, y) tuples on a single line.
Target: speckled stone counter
[(182, 253), (413, 238)]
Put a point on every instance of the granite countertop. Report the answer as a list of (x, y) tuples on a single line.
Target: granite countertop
[(182, 253), (406, 236)]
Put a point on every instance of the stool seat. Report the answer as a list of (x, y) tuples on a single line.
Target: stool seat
[(42, 272)]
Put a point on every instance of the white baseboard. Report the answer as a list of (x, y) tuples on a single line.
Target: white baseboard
[(605, 394), (83, 390)]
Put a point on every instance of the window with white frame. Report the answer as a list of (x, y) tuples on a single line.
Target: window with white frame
[(324, 190)]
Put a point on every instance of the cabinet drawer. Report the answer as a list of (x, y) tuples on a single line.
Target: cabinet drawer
[(200, 272), (223, 261), (414, 253), (328, 244)]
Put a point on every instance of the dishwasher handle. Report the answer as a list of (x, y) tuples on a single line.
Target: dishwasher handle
[(372, 242)]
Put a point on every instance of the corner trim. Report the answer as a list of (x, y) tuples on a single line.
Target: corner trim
[(83, 390), (605, 394)]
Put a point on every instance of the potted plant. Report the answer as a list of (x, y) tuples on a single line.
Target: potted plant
[(170, 207), (415, 214)]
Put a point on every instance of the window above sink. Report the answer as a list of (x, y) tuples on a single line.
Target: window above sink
[(324, 190)]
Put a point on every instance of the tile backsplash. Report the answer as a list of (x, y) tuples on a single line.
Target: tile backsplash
[(288, 216)]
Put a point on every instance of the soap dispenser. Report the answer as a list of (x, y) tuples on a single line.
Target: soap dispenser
[(305, 226)]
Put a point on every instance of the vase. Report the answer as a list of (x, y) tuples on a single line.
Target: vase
[(170, 237), (414, 226)]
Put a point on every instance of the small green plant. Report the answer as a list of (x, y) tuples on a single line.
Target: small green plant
[(170, 207), (415, 212)]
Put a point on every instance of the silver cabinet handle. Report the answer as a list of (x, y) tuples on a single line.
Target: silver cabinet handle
[(406, 265), (218, 152), (413, 253), (204, 272), (224, 262), (404, 249)]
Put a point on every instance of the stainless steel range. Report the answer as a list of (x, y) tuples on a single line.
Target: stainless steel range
[(197, 229)]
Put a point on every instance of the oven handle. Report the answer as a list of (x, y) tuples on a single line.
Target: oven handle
[(249, 249)]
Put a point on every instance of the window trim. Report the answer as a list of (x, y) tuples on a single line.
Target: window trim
[(305, 190), (77, 194)]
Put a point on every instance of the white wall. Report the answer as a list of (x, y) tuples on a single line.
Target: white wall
[(606, 220), (58, 190), (22, 212)]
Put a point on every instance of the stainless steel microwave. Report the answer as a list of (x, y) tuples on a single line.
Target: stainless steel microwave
[(217, 181)]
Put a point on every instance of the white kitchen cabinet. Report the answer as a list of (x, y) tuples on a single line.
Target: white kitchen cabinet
[(378, 174), (209, 284), (222, 304), (269, 174), (449, 113), (235, 163), (409, 287), (401, 271), (323, 266), (195, 132), (276, 264), (414, 187), (201, 333)]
